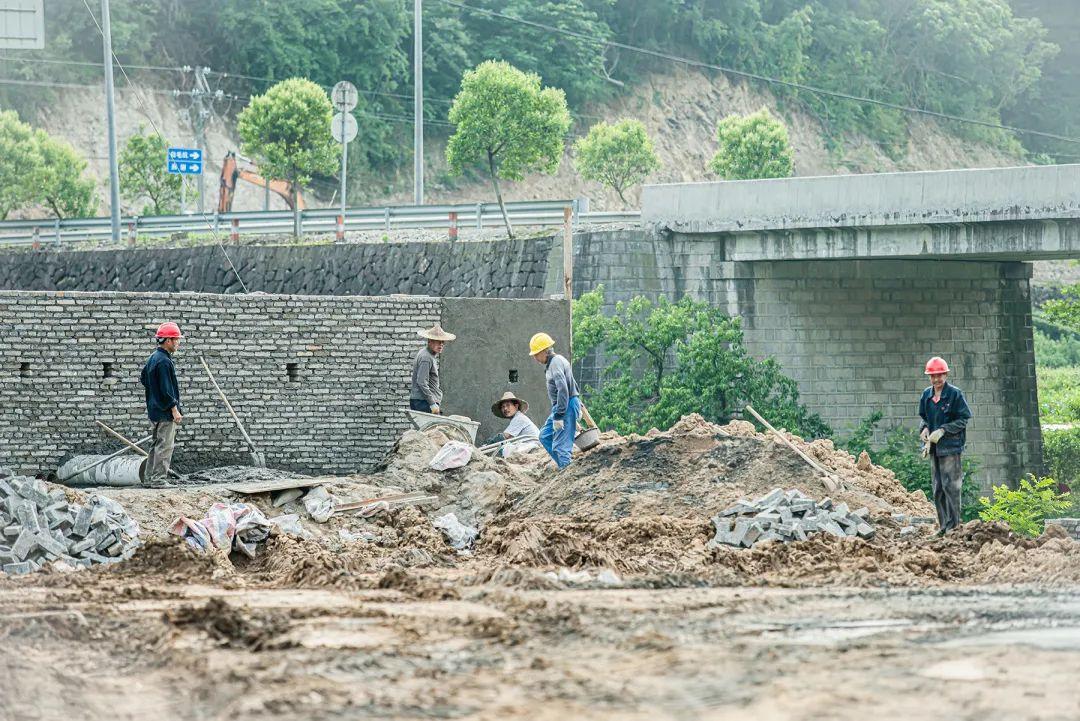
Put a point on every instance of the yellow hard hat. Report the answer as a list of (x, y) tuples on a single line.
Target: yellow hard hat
[(539, 342)]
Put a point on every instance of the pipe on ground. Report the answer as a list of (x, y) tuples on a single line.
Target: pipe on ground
[(122, 471)]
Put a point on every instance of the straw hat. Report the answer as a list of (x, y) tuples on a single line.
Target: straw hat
[(496, 407), (436, 332)]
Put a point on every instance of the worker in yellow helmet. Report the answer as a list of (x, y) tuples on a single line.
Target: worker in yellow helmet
[(557, 435)]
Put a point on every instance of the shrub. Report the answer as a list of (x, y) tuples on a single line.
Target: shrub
[(1027, 507), (1061, 452), (1059, 394)]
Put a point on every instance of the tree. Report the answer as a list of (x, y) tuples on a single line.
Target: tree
[(505, 121), (20, 163), (143, 174), (288, 129), (61, 185), (1027, 507), (753, 146), (670, 359), (618, 156)]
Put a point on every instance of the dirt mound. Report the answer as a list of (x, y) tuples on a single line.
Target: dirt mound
[(174, 561), (231, 626), (697, 468)]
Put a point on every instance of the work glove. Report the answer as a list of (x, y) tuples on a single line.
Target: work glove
[(559, 425), (924, 435), (926, 450), (937, 435), (435, 409)]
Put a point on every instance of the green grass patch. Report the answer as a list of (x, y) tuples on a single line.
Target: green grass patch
[(1059, 394)]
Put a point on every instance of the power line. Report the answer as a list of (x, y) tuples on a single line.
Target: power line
[(84, 63), (756, 76)]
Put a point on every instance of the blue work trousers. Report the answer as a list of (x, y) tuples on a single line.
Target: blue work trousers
[(559, 444)]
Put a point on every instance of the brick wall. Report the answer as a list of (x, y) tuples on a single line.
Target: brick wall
[(319, 381)]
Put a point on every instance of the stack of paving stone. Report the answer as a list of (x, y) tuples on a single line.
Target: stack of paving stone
[(787, 516), (39, 526)]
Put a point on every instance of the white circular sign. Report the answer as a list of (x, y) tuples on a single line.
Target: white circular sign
[(343, 127), (344, 96)]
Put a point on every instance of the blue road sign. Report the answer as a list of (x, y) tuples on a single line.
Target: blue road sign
[(184, 161)]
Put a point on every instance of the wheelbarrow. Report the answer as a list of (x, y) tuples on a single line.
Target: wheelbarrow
[(456, 428)]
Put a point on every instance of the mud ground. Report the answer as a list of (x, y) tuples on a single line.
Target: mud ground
[(591, 593), (138, 651)]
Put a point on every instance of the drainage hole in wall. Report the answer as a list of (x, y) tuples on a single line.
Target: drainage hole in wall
[(24, 370), (513, 376), (107, 370), (293, 370)]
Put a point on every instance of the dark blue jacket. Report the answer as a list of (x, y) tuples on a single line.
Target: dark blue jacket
[(162, 391), (951, 412)]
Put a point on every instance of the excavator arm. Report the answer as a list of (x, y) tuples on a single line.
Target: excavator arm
[(231, 173)]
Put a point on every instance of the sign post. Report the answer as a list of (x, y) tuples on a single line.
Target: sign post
[(343, 126)]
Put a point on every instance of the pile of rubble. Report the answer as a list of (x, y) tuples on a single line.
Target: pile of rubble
[(39, 526), (787, 516)]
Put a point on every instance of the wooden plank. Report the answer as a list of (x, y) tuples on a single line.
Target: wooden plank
[(253, 487), (396, 499)]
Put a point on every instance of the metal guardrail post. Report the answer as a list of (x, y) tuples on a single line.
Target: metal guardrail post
[(479, 216), (131, 233), (453, 226), (56, 230), (386, 218), (340, 229), (234, 235), (36, 244)]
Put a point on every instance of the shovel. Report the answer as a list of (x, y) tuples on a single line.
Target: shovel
[(590, 437), (257, 458)]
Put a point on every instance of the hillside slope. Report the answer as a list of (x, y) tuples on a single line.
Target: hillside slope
[(679, 109)]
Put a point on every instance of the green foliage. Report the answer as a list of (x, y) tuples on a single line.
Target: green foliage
[(506, 122), (1060, 352), (666, 360), (37, 169), (1059, 394), (143, 175), (1065, 311), (901, 453), (288, 129), (753, 146), (1026, 507), (618, 156), (1061, 452), (20, 163)]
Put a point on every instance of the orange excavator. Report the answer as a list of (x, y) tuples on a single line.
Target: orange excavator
[(232, 171)]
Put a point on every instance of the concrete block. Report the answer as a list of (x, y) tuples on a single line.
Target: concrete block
[(82, 521), (115, 550), (799, 533), (24, 544), (770, 499), (863, 513), (802, 506), (80, 546), (865, 531), (26, 514), (841, 508), (753, 532), (832, 528), (16, 569), (13, 530), (97, 515), (50, 545), (825, 504)]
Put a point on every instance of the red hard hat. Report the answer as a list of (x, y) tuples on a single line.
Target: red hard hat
[(169, 330), (936, 365)]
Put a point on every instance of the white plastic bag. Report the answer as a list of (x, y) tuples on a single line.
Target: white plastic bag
[(454, 454), (319, 504), (459, 535)]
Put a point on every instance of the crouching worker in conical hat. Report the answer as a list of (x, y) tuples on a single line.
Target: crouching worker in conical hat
[(521, 426), (426, 394)]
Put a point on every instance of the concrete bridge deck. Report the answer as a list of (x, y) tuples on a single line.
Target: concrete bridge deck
[(1006, 214)]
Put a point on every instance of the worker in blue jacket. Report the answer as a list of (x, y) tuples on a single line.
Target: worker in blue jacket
[(557, 435), (162, 402), (945, 415)]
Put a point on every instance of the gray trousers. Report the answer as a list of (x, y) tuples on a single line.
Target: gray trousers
[(161, 450), (947, 478)]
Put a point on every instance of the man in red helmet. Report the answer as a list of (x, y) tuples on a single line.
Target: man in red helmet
[(162, 401), (945, 415)]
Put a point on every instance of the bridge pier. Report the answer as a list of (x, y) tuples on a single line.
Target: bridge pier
[(855, 334)]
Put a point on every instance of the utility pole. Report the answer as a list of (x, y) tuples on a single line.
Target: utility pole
[(110, 114), (418, 104), (201, 94)]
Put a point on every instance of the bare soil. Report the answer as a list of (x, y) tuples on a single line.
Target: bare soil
[(647, 622)]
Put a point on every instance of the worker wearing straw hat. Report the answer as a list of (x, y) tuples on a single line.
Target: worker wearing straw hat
[(521, 426), (426, 393)]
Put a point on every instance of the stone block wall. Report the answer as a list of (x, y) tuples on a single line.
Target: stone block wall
[(497, 269), (319, 381), (1071, 525)]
